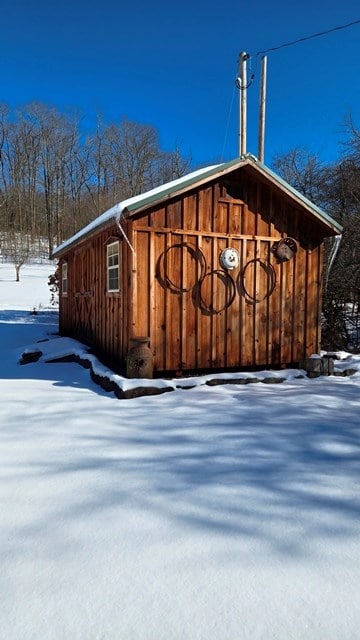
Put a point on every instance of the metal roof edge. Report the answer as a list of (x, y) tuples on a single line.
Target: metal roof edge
[(109, 216), (317, 211), (137, 203), (169, 189)]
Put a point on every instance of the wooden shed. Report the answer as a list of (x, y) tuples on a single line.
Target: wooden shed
[(219, 270)]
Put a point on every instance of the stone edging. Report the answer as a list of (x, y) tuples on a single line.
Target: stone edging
[(126, 394)]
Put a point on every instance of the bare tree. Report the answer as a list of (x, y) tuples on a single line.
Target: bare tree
[(126, 159), (54, 179), (98, 183), (303, 171), (15, 248)]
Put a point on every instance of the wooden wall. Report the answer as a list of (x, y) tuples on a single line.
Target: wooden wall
[(88, 312), (199, 316)]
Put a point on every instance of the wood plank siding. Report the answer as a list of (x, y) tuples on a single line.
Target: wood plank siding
[(203, 317), (198, 315), (88, 312)]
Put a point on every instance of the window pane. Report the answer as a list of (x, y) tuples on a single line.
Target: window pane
[(113, 260), (64, 279), (113, 279), (113, 266)]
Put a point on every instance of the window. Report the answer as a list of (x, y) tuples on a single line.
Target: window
[(64, 279), (113, 266)]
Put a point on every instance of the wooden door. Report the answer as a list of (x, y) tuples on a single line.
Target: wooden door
[(84, 295)]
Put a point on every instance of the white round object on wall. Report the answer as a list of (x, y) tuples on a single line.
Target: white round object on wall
[(229, 258)]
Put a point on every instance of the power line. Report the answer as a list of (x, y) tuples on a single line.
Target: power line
[(227, 124), (314, 35)]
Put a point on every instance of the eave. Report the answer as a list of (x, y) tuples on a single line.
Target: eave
[(196, 179)]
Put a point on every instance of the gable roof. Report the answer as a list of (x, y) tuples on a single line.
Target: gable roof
[(133, 205)]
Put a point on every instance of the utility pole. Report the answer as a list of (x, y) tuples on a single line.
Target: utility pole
[(242, 85), (262, 106)]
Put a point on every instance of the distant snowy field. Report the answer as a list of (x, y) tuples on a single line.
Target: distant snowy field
[(214, 513), (32, 290)]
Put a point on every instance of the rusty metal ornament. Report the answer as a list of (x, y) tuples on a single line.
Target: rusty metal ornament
[(285, 249)]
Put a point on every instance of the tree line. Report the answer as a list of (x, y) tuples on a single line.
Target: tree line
[(336, 189), (56, 175)]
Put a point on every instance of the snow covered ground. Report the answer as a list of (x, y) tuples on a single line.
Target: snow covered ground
[(213, 513)]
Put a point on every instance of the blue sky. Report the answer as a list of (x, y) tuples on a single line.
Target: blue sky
[(173, 65)]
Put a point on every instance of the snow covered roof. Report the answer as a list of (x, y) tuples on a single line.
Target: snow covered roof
[(168, 190)]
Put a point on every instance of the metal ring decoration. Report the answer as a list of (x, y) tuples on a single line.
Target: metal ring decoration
[(270, 276), (228, 283), (161, 270)]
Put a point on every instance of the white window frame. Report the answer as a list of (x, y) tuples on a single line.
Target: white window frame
[(113, 265), (64, 279)]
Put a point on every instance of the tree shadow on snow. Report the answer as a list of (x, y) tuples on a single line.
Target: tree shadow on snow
[(280, 466)]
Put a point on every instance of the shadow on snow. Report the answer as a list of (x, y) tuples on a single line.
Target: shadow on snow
[(279, 464)]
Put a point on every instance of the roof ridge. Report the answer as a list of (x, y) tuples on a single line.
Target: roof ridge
[(173, 187)]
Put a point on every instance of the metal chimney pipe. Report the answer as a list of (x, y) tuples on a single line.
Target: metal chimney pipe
[(262, 106)]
